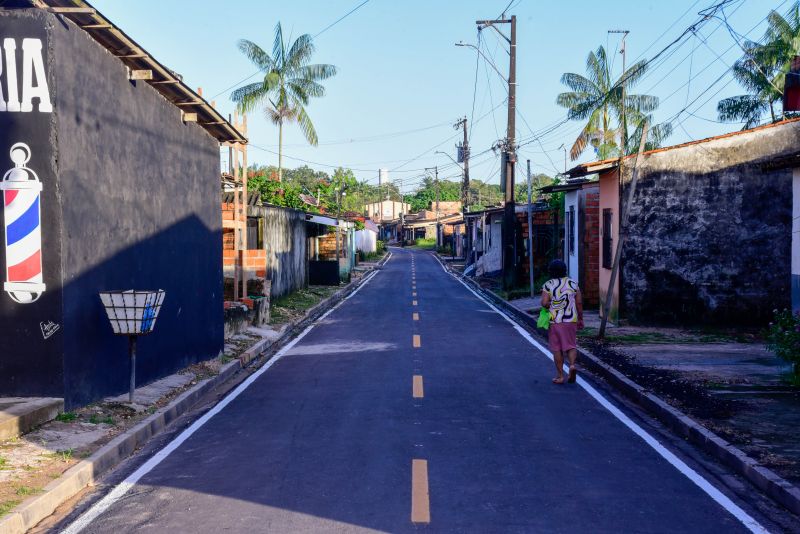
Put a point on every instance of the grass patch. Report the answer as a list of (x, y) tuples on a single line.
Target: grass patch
[(641, 337), (370, 256), (66, 417), (3, 463), (295, 304), (64, 456), (26, 490), (7, 506), (425, 243)]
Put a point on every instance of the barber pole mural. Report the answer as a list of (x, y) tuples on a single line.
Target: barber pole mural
[(23, 228)]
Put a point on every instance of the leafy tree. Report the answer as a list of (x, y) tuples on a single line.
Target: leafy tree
[(762, 71), (537, 182), (425, 195), (288, 85), (597, 99)]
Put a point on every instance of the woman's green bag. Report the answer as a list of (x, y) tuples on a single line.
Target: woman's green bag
[(544, 319)]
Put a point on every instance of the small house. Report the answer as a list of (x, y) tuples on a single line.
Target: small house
[(709, 239)]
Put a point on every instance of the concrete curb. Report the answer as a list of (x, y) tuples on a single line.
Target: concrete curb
[(777, 488), (34, 509), (15, 421)]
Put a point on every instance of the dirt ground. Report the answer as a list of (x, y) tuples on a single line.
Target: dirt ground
[(735, 389)]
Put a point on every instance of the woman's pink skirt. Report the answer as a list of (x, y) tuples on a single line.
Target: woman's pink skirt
[(563, 336)]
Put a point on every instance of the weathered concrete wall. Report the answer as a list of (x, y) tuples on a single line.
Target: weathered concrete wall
[(286, 243), (140, 201), (796, 240), (710, 231)]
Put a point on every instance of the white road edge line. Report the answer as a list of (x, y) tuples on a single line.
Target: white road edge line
[(677, 463), (118, 492)]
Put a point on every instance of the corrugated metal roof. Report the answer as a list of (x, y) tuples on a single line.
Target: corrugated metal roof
[(164, 81)]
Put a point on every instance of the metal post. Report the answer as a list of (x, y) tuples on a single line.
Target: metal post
[(621, 232), (132, 354), (530, 232), (338, 211)]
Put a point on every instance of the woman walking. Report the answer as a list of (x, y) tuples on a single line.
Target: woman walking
[(562, 297)]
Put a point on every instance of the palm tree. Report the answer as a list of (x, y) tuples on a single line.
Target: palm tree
[(597, 99), (762, 71), (288, 85)]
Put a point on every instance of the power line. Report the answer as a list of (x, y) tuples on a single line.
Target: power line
[(340, 19)]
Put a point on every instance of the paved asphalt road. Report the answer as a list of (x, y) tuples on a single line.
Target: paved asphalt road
[(332, 439)]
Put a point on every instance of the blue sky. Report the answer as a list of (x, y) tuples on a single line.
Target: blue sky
[(402, 83)]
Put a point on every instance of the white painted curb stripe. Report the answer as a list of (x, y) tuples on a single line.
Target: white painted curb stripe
[(103, 504), (677, 463)]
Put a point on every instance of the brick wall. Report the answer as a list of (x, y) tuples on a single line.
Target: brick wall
[(590, 255)]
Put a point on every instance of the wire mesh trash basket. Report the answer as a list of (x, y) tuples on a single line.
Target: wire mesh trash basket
[(132, 313)]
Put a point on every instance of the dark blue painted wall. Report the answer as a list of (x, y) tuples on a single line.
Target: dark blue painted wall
[(140, 192), (131, 200)]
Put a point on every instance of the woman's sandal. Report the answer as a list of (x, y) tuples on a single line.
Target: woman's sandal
[(573, 374), (559, 381)]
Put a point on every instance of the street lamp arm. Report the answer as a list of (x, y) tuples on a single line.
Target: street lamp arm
[(451, 158), (489, 61)]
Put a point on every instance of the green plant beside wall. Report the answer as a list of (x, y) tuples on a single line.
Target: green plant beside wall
[(783, 338)]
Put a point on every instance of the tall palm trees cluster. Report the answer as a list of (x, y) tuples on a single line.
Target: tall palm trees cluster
[(597, 97)]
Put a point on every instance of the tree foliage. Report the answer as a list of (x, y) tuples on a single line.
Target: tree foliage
[(762, 71), (597, 99), (289, 83), (425, 195)]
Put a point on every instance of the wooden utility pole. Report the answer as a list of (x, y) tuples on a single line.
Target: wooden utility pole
[(509, 155), (623, 223), (465, 159), (237, 152)]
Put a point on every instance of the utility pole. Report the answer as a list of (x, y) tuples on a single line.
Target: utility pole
[(624, 134), (509, 158), (464, 157), (436, 172), (530, 233), (339, 192)]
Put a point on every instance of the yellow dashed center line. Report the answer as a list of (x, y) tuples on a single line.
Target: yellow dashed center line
[(413, 294), (415, 316), (417, 342), (417, 387), (420, 500), (413, 302)]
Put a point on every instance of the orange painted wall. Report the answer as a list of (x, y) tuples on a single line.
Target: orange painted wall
[(609, 199)]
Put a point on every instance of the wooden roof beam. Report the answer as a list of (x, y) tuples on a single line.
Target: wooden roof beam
[(72, 10)]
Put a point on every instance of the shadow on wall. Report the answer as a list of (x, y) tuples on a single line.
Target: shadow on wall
[(711, 248), (189, 328)]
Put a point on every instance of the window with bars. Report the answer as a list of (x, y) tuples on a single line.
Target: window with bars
[(608, 236), (572, 224)]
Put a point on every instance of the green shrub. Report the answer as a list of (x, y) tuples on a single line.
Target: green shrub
[(783, 338), (428, 243), (66, 417), (380, 246)]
